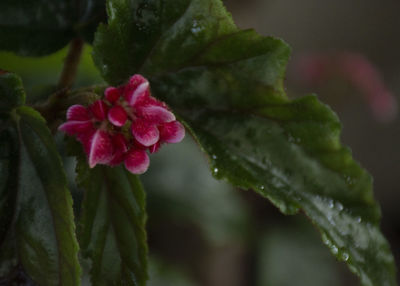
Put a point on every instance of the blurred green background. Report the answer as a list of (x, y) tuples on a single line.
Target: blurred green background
[(202, 231)]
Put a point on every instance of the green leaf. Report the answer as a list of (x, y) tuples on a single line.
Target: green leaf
[(36, 227), (12, 93), (40, 27), (227, 86), (112, 227)]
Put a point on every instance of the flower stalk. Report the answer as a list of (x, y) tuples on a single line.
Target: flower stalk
[(71, 64)]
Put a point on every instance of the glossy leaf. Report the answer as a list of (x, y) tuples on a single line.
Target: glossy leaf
[(227, 85), (112, 226), (37, 226), (40, 27)]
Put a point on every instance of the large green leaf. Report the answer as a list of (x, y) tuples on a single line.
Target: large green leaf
[(112, 234), (37, 229), (227, 86), (40, 27)]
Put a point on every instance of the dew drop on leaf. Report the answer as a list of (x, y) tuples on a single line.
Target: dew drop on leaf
[(345, 256), (196, 28), (339, 206)]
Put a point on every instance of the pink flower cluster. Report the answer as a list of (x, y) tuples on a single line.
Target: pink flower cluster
[(123, 125)]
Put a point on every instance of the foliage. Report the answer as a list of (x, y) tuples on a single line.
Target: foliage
[(225, 85)]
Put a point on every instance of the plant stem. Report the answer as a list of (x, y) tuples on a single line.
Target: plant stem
[(56, 102), (71, 63)]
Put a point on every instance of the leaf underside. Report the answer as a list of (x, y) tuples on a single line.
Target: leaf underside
[(37, 232), (226, 85), (112, 226)]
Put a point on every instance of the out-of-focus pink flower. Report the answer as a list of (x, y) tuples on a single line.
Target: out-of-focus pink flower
[(123, 125), (315, 69)]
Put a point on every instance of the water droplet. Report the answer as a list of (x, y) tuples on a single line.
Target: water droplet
[(262, 187), (358, 219), (334, 249), (142, 27), (330, 219), (326, 240), (331, 204), (196, 28), (214, 156), (215, 170), (339, 206), (345, 256)]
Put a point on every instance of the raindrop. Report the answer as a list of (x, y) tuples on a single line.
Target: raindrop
[(326, 240), (358, 219), (215, 170), (330, 219), (339, 206), (141, 27), (334, 249), (262, 187), (196, 28), (331, 204), (345, 256), (214, 156)]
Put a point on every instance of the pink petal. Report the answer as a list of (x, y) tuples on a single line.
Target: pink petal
[(99, 109), (155, 114), (137, 145), (134, 96), (120, 143), (112, 94), (149, 100), (74, 127), (154, 148), (137, 161), (117, 116), (145, 133), (136, 80), (85, 138), (120, 148), (133, 86), (99, 148), (172, 132), (77, 112)]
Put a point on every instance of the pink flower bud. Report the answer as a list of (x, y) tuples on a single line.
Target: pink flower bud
[(112, 94), (117, 116), (99, 109)]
